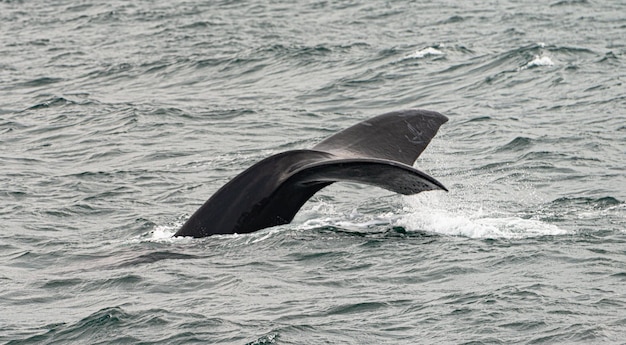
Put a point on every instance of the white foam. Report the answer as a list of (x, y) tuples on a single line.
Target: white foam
[(429, 51), (440, 214), (161, 234), (538, 61), (347, 222), (165, 234), (261, 236)]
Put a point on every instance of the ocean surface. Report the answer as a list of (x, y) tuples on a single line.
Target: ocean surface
[(118, 119)]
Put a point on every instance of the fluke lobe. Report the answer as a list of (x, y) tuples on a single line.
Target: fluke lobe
[(378, 152)]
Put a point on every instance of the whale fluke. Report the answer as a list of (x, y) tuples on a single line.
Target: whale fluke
[(379, 152)]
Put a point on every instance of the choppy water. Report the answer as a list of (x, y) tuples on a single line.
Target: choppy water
[(118, 119)]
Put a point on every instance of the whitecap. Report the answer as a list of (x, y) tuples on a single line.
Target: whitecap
[(539, 61), (161, 234), (432, 213), (429, 51)]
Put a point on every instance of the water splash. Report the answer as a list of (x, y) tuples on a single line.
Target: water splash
[(161, 234), (429, 51), (538, 61), (447, 216), (324, 213)]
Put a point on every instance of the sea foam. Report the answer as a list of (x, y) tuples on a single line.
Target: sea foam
[(443, 215), (538, 61), (429, 51)]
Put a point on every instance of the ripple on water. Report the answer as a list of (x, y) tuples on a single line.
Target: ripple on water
[(119, 119)]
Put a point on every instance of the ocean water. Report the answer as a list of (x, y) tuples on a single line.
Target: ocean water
[(119, 119)]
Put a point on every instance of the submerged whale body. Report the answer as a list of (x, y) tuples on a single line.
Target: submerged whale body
[(379, 152)]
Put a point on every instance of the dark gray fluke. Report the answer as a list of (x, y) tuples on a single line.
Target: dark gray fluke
[(378, 152)]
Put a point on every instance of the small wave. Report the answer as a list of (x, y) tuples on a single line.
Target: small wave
[(266, 339), (517, 144), (569, 3), (324, 214), (161, 234), (52, 102), (153, 257), (165, 234), (429, 51), (431, 213), (587, 210), (538, 61), (348, 223), (43, 81), (454, 19), (116, 322), (595, 203)]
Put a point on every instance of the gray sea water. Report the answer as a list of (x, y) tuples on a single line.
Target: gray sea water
[(119, 119)]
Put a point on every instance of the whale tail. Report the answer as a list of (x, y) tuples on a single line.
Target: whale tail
[(379, 152)]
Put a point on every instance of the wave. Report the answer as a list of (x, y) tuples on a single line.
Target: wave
[(538, 61), (114, 324), (429, 51)]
